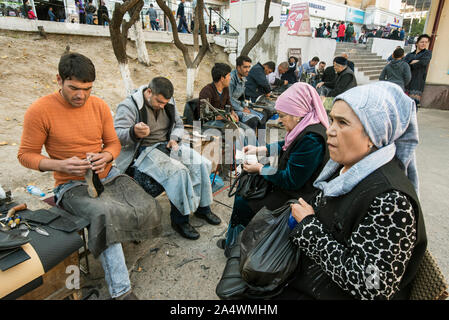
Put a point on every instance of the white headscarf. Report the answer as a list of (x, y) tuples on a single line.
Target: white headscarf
[(389, 118)]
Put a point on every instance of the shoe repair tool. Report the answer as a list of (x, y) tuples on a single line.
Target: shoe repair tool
[(25, 230), (37, 229), (94, 185), (11, 219)]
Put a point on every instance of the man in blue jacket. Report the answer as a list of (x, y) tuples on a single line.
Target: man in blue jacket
[(256, 82)]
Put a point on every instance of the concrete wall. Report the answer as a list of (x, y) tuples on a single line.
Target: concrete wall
[(436, 91), (438, 72), (275, 43), (266, 49), (383, 47)]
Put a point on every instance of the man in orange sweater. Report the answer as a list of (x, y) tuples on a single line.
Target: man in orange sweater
[(75, 126)]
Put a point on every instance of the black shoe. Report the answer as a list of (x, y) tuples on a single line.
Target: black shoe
[(186, 230), (127, 296), (221, 243), (210, 217)]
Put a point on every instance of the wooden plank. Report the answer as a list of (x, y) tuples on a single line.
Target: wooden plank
[(54, 283)]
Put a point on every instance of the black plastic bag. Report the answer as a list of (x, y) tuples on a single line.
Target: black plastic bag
[(268, 257)]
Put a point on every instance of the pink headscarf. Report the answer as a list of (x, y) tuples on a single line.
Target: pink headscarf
[(301, 100)]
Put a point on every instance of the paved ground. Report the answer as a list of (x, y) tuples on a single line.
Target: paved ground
[(171, 267)]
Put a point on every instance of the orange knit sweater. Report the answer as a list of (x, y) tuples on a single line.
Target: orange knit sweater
[(66, 131)]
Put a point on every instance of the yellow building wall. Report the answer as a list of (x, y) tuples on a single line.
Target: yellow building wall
[(439, 65)]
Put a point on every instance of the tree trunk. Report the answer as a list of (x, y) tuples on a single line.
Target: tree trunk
[(191, 65), (118, 29), (142, 53), (261, 28), (126, 76), (191, 75), (196, 45)]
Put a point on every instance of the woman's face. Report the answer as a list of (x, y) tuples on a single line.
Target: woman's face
[(346, 137), (288, 121), (423, 44)]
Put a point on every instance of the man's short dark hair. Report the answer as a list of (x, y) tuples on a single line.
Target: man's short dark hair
[(76, 66), (161, 85), (151, 5), (398, 53), (322, 62), (271, 65), (240, 59), (315, 59), (220, 70)]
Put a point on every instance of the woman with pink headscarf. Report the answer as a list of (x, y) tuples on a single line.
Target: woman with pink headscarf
[(301, 156)]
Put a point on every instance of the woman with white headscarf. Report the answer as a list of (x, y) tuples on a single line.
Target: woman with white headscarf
[(363, 235)]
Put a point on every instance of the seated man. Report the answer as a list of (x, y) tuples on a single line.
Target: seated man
[(319, 73), (307, 69), (256, 81), (292, 73), (345, 80), (246, 115), (274, 78), (350, 63), (78, 134), (149, 128)]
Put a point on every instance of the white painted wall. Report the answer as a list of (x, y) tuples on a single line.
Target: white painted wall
[(249, 13), (385, 47), (310, 47)]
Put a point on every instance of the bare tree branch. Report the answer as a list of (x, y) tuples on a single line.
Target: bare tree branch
[(204, 42), (261, 28), (178, 43)]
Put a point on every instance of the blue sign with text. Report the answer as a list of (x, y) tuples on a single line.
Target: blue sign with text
[(355, 15)]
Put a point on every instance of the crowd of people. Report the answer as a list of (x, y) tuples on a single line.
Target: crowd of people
[(345, 32), (327, 161)]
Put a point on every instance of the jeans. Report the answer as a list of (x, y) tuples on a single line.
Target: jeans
[(112, 259), (182, 23), (115, 270), (89, 18), (154, 25)]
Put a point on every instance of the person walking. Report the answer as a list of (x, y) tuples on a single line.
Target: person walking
[(152, 14), (418, 61), (341, 31), (349, 32), (182, 17), (334, 31), (102, 11), (81, 11)]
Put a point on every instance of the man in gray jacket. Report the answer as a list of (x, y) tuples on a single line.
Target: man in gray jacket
[(153, 18), (149, 129), (397, 71)]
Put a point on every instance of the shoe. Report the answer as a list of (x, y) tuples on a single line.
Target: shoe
[(94, 185), (221, 243), (210, 217), (186, 230), (127, 296)]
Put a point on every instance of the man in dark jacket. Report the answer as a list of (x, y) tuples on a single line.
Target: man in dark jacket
[(182, 17), (345, 79), (397, 71), (256, 82)]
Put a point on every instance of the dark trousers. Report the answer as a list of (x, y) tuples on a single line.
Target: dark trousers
[(82, 18), (154, 25), (182, 23)]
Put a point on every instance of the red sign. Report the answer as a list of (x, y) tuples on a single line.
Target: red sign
[(298, 21)]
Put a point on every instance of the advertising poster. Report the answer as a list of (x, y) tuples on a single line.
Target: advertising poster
[(298, 21)]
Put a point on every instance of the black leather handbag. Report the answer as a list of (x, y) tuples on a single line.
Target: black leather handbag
[(250, 186)]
